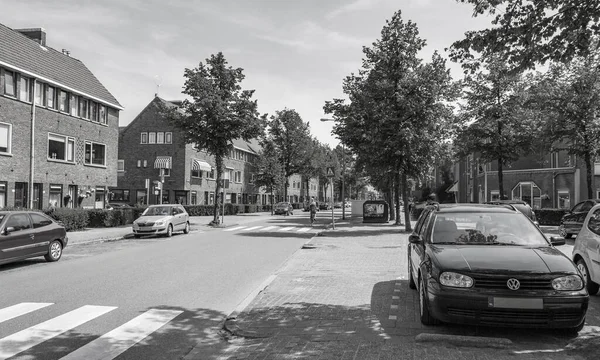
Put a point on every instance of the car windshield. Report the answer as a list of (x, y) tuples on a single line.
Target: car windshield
[(492, 228), (157, 211)]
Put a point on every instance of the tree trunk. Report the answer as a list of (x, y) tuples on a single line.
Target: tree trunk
[(588, 175), (219, 166), (285, 189), (500, 180), (405, 198), (272, 200), (390, 197), (397, 188)]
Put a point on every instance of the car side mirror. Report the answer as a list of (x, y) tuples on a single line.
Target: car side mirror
[(8, 230), (415, 239), (557, 240)]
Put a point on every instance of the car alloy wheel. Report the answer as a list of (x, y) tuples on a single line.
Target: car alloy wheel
[(591, 286), (54, 251), (561, 231), (170, 230), (187, 228)]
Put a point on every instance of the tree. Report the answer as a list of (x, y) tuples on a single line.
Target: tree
[(270, 171), (291, 137), (527, 32), (217, 113), (495, 122), (399, 112), (314, 167), (568, 96)]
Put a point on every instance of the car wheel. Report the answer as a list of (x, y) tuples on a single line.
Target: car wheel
[(573, 331), (563, 232), (187, 228), (591, 286), (170, 230), (54, 251), (137, 236), (411, 279), (426, 318)]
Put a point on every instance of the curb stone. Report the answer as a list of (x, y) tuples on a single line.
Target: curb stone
[(475, 341)]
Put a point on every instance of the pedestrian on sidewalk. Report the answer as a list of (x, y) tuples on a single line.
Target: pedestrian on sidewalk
[(313, 210)]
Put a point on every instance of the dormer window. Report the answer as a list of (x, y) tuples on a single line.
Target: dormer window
[(10, 84)]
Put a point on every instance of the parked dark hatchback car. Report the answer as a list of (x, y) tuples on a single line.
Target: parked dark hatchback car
[(572, 221), (26, 234), (489, 265)]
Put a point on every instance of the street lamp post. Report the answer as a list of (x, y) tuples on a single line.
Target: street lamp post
[(343, 174)]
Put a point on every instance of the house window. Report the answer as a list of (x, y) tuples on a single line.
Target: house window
[(238, 176), (144, 138), (39, 93), (119, 195), (50, 97), (152, 138), (168, 138), (140, 197), (25, 90), (166, 172), (95, 154), (145, 163), (495, 195), (139, 163), (252, 178), (2, 194), (197, 173), (194, 198), (102, 114), (211, 175), (93, 111), (73, 102), (5, 138), (10, 84), (61, 148), (63, 101), (83, 108), (55, 198), (121, 165), (160, 138), (564, 199)]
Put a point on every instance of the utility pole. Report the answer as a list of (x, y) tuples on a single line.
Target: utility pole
[(162, 182)]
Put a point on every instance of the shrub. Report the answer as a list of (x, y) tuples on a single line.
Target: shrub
[(550, 216), (72, 219), (250, 208)]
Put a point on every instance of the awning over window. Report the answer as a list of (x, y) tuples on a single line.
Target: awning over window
[(453, 188), (162, 162), (199, 165)]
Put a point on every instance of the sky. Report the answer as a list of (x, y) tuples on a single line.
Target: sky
[(295, 53)]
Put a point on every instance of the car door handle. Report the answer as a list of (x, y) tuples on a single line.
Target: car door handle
[(31, 236)]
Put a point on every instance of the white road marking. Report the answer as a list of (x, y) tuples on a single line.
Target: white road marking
[(253, 228), (30, 337), (287, 228), (305, 229), (117, 341), (14, 311), (269, 228), (235, 228)]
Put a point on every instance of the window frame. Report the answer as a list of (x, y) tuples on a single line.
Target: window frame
[(67, 99), (144, 139), (84, 113), (26, 86), (67, 140), (120, 165), (90, 162), (8, 139), (152, 137), (51, 98), (13, 82), (158, 137), (168, 137), (39, 95)]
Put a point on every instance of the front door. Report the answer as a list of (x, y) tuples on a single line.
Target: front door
[(38, 195), (18, 243), (21, 200)]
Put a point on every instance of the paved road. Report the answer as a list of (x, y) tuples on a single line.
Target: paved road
[(167, 293)]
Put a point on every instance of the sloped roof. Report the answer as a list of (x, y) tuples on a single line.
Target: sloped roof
[(22, 54)]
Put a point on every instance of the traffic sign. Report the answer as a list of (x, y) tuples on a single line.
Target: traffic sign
[(330, 172)]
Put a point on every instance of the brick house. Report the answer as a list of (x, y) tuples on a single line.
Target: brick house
[(58, 126), (555, 180), (150, 143)]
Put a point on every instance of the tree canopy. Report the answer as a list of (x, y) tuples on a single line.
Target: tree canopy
[(217, 112)]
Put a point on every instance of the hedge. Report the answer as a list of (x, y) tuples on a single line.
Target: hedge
[(550, 216)]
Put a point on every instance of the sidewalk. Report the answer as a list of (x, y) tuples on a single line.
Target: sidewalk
[(197, 223), (346, 297)]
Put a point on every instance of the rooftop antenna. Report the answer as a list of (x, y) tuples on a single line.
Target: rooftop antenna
[(158, 82)]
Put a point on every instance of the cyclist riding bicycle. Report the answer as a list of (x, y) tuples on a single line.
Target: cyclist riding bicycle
[(313, 210)]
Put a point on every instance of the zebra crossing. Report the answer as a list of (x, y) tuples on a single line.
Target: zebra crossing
[(272, 228), (106, 347)]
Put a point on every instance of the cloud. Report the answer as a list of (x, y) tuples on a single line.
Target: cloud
[(364, 5)]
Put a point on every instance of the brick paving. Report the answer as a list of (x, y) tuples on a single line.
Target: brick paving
[(348, 298)]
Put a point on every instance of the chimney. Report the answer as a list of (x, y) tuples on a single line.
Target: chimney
[(36, 34)]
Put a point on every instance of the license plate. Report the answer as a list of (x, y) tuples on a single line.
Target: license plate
[(515, 303)]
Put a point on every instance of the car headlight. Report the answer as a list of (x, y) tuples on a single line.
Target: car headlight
[(456, 280), (160, 223), (566, 283)]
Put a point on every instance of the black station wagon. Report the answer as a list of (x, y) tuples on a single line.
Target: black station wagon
[(26, 234)]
